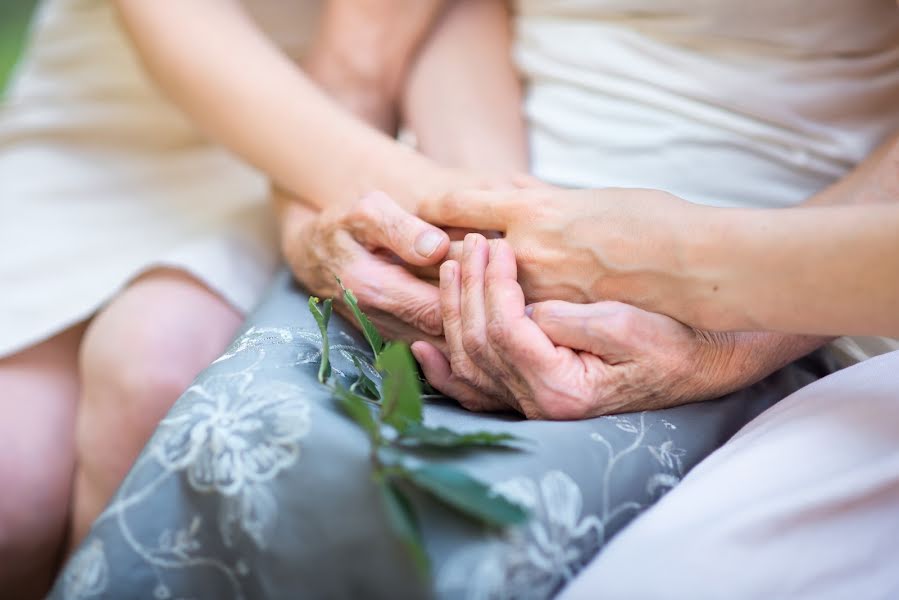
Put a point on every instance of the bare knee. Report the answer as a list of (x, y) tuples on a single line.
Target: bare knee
[(138, 356), (126, 393)]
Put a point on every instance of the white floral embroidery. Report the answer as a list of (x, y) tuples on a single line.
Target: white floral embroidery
[(290, 347), (181, 543), (227, 433), (668, 455), (536, 560), (253, 509), (661, 483), (87, 575)]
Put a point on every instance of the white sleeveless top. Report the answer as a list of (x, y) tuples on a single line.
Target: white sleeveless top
[(724, 102)]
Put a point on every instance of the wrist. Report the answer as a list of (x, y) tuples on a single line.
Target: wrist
[(698, 295), (397, 170)]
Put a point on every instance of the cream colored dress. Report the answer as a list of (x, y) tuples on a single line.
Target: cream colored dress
[(101, 178)]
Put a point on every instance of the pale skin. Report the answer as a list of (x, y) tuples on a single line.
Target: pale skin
[(672, 363), (773, 270), (120, 369)]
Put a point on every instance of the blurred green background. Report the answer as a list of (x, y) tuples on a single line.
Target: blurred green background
[(14, 17)]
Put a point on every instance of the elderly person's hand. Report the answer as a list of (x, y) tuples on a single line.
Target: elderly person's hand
[(381, 250), (367, 245), (563, 361)]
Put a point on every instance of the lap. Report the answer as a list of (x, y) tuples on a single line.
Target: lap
[(801, 503), (308, 516)]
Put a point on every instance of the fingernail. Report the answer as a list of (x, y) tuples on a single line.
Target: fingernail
[(447, 273), (427, 243), (529, 310), (469, 244)]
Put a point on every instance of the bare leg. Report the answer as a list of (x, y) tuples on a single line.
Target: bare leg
[(138, 355), (38, 395)]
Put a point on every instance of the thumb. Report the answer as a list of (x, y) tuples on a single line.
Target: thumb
[(377, 221), (592, 328)]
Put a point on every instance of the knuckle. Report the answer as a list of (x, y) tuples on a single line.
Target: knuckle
[(469, 279), (473, 341), (497, 333), (460, 365), (469, 402), (544, 312), (453, 204), (422, 317), (621, 324), (368, 208)]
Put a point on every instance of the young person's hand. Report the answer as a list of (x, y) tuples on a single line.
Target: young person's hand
[(578, 245)]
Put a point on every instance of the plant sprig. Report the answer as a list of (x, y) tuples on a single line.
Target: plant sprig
[(392, 417)]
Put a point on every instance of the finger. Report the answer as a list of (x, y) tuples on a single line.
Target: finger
[(456, 249), (451, 308), (439, 374), (476, 209), (527, 181), (514, 336), (600, 328), (389, 288), (392, 328), (474, 321), (526, 351), (377, 221)]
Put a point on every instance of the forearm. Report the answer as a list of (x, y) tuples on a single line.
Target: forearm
[(463, 97), (825, 270), (260, 105), (828, 267)]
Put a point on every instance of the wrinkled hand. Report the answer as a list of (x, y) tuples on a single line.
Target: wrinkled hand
[(578, 245), (366, 244), (380, 250), (564, 361)]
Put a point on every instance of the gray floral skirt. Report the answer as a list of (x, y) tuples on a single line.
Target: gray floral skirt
[(256, 486)]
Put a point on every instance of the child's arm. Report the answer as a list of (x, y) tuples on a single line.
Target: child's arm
[(214, 62)]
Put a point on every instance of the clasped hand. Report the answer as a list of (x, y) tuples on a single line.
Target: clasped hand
[(473, 335)]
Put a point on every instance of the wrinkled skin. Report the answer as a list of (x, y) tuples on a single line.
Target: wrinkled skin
[(561, 361)]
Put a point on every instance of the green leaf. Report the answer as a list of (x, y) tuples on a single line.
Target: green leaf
[(364, 383), (322, 317), (401, 404), (357, 409), (404, 523), (465, 493), (441, 437), (371, 334)]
